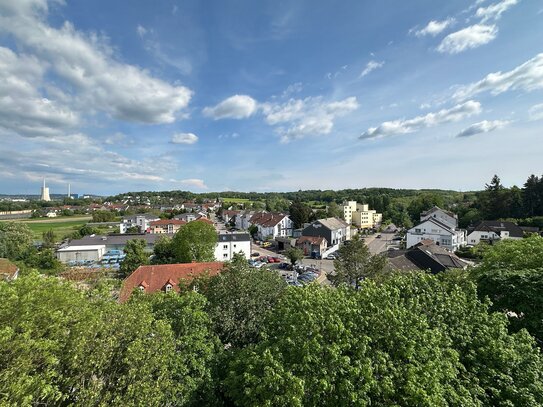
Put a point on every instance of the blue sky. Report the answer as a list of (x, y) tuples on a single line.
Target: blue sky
[(115, 96)]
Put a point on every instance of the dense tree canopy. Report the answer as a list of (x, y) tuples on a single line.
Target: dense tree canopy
[(15, 240), (239, 299), (415, 340), (135, 256), (195, 241), (511, 275)]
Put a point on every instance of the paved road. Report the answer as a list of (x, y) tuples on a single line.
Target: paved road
[(379, 245)]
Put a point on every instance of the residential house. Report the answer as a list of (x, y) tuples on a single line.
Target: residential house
[(166, 277), (492, 230), (443, 234), (228, 215), (447, 217), (141, 221), (242, 220), (187, 217), (8, 270), (312, 245), (166, 226), (334, 230), (231, 243), (271, 225), (425, 255)]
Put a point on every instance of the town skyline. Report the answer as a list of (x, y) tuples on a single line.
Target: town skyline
[(267, 97)]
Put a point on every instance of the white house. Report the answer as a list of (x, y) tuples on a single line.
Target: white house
[(230, 243), (446, 217), (142, 222), (271, 225), (334, 230), (441, 233), (242, 220), (489, 230), (81, 253)]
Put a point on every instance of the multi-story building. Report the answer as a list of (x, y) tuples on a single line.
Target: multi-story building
[(440, 226), (348, 208), (492, 230), (361, 215), (271, 225), (142, 222), (231, 243), (166, 226), (334, 230)]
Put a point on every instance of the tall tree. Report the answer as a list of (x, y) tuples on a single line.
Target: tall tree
[(494, 200), (195, 241), (294, 254), (300, 213), (135, 256), (163, 252), (532, 196), (239, 298), (15, 240), (355, 263), (48, 238)]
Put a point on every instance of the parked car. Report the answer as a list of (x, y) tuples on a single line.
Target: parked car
[(266, 244), (378, 236), (255, 254)]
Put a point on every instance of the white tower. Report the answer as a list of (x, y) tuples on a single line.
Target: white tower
[(69, 192), (45, 192)]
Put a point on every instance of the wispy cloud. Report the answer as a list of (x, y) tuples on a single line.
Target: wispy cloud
[(234, 107), (494, 11), (536, 112), (526, 77), (404, 126), (482, 127), (370, 67), (194, 182), (434, 27), (468, 38), (184, 138)]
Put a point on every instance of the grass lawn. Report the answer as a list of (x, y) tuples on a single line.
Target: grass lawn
[(61, 226)]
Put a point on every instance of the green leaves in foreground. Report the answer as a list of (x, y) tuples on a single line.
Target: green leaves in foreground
[(414, 340)]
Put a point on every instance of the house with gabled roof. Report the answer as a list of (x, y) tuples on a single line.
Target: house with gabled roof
[(334, 230), (446, 217), (493, 230), (312, 245), (166, 226), (432, 228), (271, 225), (425, 255), (166, 277)]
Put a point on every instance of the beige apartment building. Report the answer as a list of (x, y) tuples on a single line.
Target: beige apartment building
[(361, 215)]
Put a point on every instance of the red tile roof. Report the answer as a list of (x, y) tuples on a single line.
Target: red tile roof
[(165, 222), (154, 278), (266, 220), (201, 219)]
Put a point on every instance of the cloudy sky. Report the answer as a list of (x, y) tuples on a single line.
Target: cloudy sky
[(113, 96)]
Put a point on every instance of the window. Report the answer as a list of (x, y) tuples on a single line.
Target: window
[(168, 288), (234, 246), (417, 230), (142, 288), (225, 256), (225, 247)]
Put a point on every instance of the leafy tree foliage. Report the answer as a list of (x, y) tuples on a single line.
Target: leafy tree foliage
[(414, 340), (300, 213), (195, 241), (163, 252), (59, 348), (135, 256), (103, 216), (355, 263), (49, 238), (294, 254), (511, 275), (15, 240), (422, 203), (239, 299)]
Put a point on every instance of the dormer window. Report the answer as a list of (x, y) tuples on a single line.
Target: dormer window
[(142, 288), (168, 288)]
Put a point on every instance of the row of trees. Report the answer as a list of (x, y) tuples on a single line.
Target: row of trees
[(246, 338)]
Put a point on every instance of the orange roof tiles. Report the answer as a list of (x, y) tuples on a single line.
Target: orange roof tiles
[(154, 278)]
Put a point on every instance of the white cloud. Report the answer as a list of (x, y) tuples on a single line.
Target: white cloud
[(482, 127), (371, 66), (434, 27), (536, 112), (468, 38), (184, 138), (194, 182), (23, 109), (433, 119), (526, 77), (494, 11), (234, 107), (306, 117), (86, 63), (141, 30)]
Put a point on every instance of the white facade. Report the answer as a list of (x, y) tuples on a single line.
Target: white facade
[(281, 229), (476, 236), (81, 253), (232, 243), (143, 222), (242, 220), (446, 217), (348, 208), (440, 233)]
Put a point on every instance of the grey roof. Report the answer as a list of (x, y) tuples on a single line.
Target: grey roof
[(497, 226), (426, 256), (333, 223), (234, 237), (437, 208), (117, 239), (438, 223)]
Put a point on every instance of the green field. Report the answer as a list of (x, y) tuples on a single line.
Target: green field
[(235, 200), (61, 226)]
